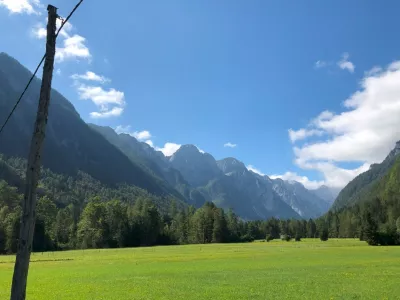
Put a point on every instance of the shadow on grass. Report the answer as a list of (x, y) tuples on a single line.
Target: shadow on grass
[(40, 260)]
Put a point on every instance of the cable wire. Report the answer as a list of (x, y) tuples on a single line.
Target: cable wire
[(69, 16), (37, 68)]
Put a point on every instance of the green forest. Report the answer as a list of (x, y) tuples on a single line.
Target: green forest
[(76, 213)]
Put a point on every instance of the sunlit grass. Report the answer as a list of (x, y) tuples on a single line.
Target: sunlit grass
[(310, 269)]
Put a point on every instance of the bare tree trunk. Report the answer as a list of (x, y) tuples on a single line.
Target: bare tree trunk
[(18, 288)]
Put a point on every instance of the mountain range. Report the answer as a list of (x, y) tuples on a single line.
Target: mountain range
[(72, 146)]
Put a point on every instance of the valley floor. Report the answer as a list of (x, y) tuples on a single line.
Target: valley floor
[(310, 269)]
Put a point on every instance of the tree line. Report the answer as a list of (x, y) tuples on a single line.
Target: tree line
[(79, 212), (376, 221), (114, 223)]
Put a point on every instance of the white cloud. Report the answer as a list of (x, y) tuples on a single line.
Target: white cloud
[(114, 112), (374, 71), (100, 96), (58, 72), (144, 135), (39, 32), (345, 64), (21, 6), (230, 145), (74, 47), (309, 184), (296, 135), (90, 76), (169, 148), (110, 102), (254, 169), (364, 133), (123, 129), (150, 143), (320, 64), (67, 28)]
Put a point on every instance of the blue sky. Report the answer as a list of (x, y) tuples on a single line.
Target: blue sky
[(241, 72)]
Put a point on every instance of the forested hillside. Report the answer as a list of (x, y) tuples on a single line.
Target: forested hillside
[(154, 162), (359, 189), (89, 215), (375, 214)]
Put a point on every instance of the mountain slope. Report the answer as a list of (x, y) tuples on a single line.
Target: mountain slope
[(326, 193), (196, 167), (70, 144), (301, 200), (360, 187), (152, 161), (249, 194)]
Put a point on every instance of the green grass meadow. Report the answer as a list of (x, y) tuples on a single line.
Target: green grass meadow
[(310, 269)]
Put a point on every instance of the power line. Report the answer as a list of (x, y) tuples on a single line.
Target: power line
[(23, 93), (69, 16), (37, 68)]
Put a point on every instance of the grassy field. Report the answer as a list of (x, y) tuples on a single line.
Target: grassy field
[(337, 269)]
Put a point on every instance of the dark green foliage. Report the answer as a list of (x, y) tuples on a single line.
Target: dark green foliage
[(66, 190), (375, 219), (80, 212), (3, 240), (220, 227), (388, 235), (79, 218), (311, 228), (324, 235), (370, 230), (363, 187), (65, 228)]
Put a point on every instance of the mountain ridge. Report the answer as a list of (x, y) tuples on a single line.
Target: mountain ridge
[(360, 186), (72, 146)]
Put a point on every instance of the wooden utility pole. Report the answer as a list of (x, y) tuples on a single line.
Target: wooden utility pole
[(18, 288)]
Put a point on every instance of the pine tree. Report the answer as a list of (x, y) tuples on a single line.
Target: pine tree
[(233, 226), (3, 240), (297, 237), (219, 228), (370, 233), (324, 234), (311, 229)]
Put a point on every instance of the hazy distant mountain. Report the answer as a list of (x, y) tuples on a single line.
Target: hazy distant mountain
[(305, 202), (326, 193), (249, 194)]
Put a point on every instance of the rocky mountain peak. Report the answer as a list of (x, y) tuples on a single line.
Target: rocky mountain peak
[(231, 164), (198, 168)]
